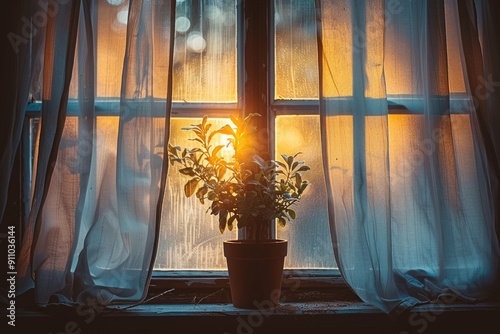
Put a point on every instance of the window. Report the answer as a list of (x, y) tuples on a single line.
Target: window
[(190, 239), (234, 56), (216, 73), (210, 63), (292, 93)]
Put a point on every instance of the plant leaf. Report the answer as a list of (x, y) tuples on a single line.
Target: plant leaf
[(230, 222), (296, 163), (200, 194), (187, 171), (303, 169), (303, 186), (221, 172), (298, 180), (282, 165), (259, 161), (173, 149), (227, 130), (211, 196), (190, 187), (242, 221), (222, 220), (236, 121), (217, 149)]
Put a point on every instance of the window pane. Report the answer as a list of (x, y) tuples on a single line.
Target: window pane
[(205, 51), (110, 48), (310, 244), (189, 236), (295, 48), (205, 57)]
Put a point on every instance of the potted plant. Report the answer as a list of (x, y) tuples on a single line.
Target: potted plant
[(248, 192)]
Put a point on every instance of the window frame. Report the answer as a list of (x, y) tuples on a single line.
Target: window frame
[(258, 82), (250, 90), (247, 93)]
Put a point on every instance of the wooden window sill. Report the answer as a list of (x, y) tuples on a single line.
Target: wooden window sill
[(306, 311)]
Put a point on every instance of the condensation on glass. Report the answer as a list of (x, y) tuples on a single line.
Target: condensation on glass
[(295, 50), (310, 244), (296, 78), (296, 58), (205, 70), (205, 56), (189, 236)]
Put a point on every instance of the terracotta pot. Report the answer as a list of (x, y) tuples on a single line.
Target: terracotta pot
[(255, 271)]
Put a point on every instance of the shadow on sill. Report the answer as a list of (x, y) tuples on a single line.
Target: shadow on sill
[(334, 310)]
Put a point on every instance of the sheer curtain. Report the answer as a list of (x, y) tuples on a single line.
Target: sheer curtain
[(99, 169), (410, 169), (17, 74)]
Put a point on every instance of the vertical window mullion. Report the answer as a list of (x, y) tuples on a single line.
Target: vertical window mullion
[(256, 66), (256, 61)]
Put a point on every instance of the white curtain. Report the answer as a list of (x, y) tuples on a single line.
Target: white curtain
[(411, 178), (99, 172)]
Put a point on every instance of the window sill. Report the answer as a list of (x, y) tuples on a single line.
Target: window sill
[(313, 311)]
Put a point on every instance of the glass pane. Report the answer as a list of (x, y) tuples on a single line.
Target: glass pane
[(205, 51), (189, 237), (310, 244), (111, 30), (205, 55), (295, 48)]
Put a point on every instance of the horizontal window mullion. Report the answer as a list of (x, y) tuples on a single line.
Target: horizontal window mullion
[(294, 107), (398, 106), (214, 110), (112, 108), (460, 105)]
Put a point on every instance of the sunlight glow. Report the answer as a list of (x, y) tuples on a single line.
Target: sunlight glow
[(292, 139)]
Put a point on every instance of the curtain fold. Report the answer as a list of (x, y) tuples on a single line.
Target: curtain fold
[(19, 67), (94, 237), (477, 23), (58, 56), (410, 198)]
